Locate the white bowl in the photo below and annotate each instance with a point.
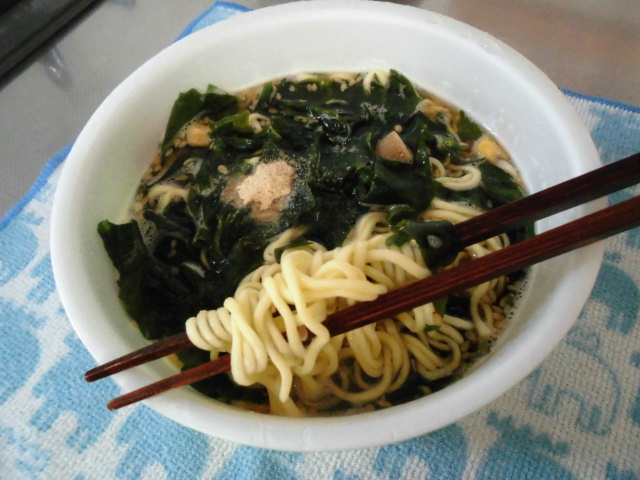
(467, 67)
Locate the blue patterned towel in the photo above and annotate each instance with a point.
(576, 417)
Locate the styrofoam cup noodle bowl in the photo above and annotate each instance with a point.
(454, 61)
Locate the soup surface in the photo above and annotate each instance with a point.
(268, 209)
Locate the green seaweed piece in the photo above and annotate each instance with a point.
(192, 104)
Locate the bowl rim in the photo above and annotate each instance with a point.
(321, 434)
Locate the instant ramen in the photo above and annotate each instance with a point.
(269, 209)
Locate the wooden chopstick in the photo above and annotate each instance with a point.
(162, 348)
(592, 185)
(187, 377)
(563, 196)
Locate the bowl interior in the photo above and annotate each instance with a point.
(462, 65)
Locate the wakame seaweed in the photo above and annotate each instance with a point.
(190, 254)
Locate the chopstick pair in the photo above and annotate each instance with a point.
(578, 233)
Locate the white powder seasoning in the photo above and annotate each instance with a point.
(266, 190)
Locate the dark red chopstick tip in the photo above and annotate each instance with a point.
(159, 349)
(186, 377)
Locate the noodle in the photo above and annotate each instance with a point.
(276, 306)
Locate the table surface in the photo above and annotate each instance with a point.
(587, 46)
